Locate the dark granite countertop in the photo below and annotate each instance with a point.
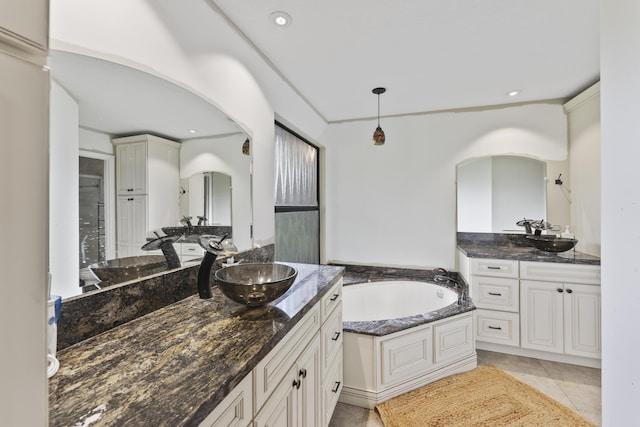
(173, 366)
(515, 247)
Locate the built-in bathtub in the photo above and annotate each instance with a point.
(400, 335)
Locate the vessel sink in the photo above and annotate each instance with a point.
(552, 243)
(255, 284)
(123, 269)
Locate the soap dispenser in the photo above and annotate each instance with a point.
(567, 234)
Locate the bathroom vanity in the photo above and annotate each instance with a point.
(212, 362)
(532, 303)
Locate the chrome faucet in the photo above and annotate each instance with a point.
(201, 220)
(186, 220)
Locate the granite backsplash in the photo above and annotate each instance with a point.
(92, 313)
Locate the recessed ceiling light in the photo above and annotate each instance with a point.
(281, 19)
(514, 92)
(192, 131)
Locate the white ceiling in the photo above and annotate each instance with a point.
(431, 55)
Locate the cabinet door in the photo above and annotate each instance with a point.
(308, 404)
(131, 168)
(541, 315)
(131, 225)
(582, 320)
(280, 408)
(26, 21)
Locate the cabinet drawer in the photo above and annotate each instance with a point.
(272, 369)
(494, 267)
(331, 300)
(498, 327)
(331, 339)
(235, 409)
(331, 388)
(495, 293)
(557, 272)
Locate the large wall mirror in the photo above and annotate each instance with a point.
(493, 193)
(94, 101)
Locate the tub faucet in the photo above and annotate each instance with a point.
(201, 220)
(441, 270)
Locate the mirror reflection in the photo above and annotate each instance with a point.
(208, 177)
(493, 193)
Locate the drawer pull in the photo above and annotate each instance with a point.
(491, 267)
(302, 373)
(497, 328)
(334, 297)
(337, 387)
(336, 336)
(297, 384)
(560, 290)
(569, 291)
(495, 294)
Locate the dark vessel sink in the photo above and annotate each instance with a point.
(552, 243)
(119, 270)
(255, 284)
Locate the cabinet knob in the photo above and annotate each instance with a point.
(560, 290)
(302, 373)
(569, 291)
(297, 383)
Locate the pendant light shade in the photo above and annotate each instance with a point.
(378, 134)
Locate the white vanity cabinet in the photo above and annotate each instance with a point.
(306, 368)
(537, 309)
(25, 21)
(561, 316)
(147, 183)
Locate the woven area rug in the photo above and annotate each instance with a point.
(485, 396)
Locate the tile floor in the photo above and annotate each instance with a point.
(576, 387)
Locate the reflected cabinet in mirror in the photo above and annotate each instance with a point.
(154, 166)
(493, 193)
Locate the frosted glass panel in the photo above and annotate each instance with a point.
(297, 237)
(296, 171)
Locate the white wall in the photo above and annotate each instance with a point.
(64, 263)
(583, 114)
(620, 112)
(395, 204)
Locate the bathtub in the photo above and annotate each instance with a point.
(400, 335)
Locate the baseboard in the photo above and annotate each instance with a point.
(536, 354)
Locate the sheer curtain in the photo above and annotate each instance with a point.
(297, 216)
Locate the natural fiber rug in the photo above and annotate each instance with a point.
(485, 396)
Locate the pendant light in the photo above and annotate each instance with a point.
(378, 134)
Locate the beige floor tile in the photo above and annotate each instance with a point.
(576, 387)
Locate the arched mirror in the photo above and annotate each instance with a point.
(493, 193)
(94, 101)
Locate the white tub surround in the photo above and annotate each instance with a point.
(401, 335)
